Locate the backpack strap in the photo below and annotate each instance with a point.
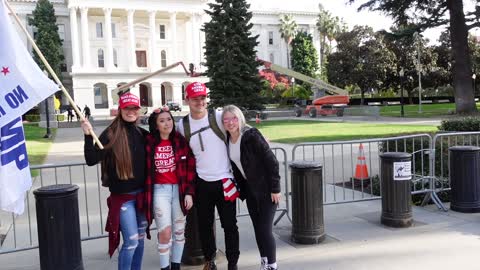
(212, 123)
(212, 120)
(186, 128)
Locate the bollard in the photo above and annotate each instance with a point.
(395, 176)
(192, 252)
(58, 225)
(307, 203)
(465, 179)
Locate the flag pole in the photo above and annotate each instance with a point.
(139, 80)
(52, 73)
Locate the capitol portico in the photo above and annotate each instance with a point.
(108, 43)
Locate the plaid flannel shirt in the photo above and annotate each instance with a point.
(185, 171)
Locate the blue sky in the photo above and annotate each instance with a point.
(349, 13)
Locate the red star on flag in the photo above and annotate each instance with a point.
(5, 71)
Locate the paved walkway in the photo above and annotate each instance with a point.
(355, 238)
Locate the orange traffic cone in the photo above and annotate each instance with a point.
(257, 119)
(361, 170)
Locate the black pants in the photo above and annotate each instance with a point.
(208, 195)
(262, 211)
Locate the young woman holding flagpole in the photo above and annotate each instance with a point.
(123, 169)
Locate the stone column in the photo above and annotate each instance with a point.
(264, 42)
(108, 38)
(153, 41)
(173, 36)
(85, 38)
(195, 51)
(132, 58)
(74, 33)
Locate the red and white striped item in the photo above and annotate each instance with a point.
(230, 191)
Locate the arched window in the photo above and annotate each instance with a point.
(163, 57)
(101, 59)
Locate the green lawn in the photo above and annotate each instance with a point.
(296, 131)
(37, 146)
(428, 110)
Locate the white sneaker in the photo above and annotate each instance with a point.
(263, 263)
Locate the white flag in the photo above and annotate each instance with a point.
(22, 86)
(22, 83)
(15, 178)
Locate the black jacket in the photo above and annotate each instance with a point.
(259, 164)
(136, 139)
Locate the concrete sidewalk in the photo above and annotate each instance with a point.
(355, 240)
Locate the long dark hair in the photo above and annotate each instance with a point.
(119, 146)
(152, 127)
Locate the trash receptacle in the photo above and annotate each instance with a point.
(307, 202)
(192, 253)
(465, 179)
(395, 177)
(58, 225)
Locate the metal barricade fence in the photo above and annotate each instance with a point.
(439, 162)
(430, 171)
(22, 230)
(339, 161)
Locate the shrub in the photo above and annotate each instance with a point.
(60, 117)
(469, 123)
(32, 117)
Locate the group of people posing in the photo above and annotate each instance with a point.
(209, 160)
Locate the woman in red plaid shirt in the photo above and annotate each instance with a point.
(171, 171)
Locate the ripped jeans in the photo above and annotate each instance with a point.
(132, 226)
(167, 210)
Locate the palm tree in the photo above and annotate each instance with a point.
(329, 27)
(288, 29)
(325, 29)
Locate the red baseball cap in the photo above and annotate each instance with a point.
(196, 89)
(128, 99)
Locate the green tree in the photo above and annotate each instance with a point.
(288, 29)
(362, 59)
(304, 56)
(47, 38)
(230, 55)
(428, 14)
(406, 54)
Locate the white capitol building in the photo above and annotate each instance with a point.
(107, 43)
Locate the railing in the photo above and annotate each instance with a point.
(339, 160)
(430, 175)
(22, 233)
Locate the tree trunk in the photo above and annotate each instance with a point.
(464, 96)
(410, 98)
(288, 55)
(322, 48)
(362, 97)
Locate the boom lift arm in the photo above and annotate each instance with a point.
(316, 82)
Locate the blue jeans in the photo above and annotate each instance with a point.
(167, 210)
(132, 226)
